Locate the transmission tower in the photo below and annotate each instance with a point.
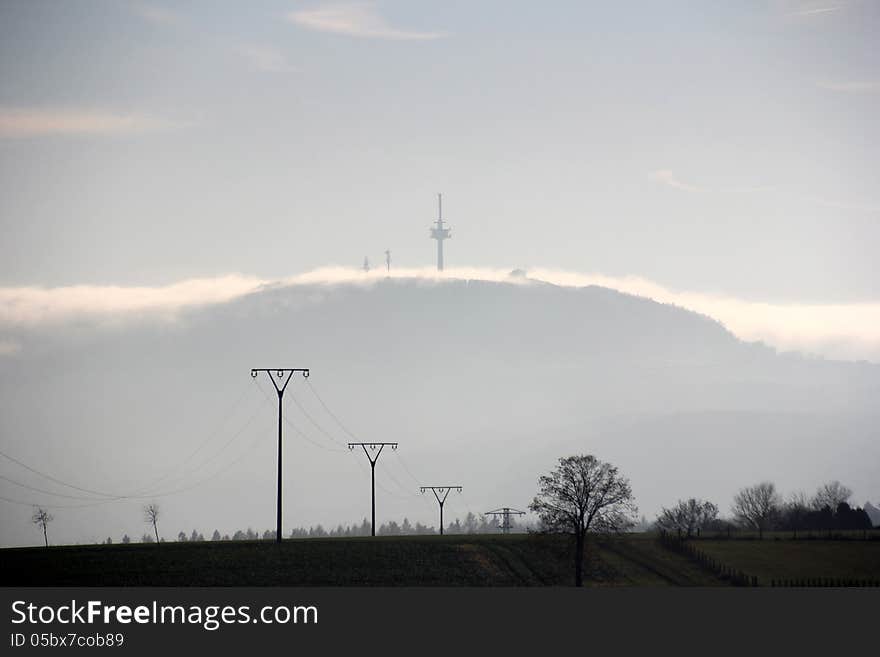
(438, 491)
(366, 265)
(373, 460)
(388, 260)
(440, 233)
(505, 513)
(280, 372)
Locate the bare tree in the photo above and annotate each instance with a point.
(41, 519)
(688, 516)
(583, 494)
(151, 517)
(757, 506)
(831, 495)
(794, 511)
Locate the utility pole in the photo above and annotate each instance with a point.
(505, 513)
(438, 491)
(440, 233)
(373, 460)
(280, 373)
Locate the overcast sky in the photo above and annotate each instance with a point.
(159, 156)
(727, 148)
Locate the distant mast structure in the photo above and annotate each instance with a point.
(440, 233)
(388, 260)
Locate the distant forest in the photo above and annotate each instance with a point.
(472, 524)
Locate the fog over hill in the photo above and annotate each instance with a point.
(484, 384)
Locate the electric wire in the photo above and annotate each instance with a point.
(142, 495)
(101, 494)
(314, 422)
(48, 492)
(226, 417)
(296, 428)
(58, 481)
(331, 413)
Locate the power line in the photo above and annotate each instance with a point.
(373, 460)
(441, 493)
(406, 468)
(59, 481)
(329, 412)
(280, 372)
(230, 411)
(142, 494)
(223, 448)
(505, 513)
(48, 492)
(313, 422)
(379, 485)
(302, 434)
(109, 497)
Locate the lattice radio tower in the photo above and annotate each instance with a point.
(505, 513)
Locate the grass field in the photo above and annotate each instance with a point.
(462, 560)
(797, 560)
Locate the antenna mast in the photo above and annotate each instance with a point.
(440, 233)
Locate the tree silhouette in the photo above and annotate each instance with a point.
(151, 517)
(687, 516)
(757, 506)
(41, 519)
(832, 495)
(583, 494)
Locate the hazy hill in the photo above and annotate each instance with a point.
(483, 384)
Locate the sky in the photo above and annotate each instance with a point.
(730, 149)
(729, 152)
(720, 156)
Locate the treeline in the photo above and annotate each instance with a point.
(762, 508)
(472, 524)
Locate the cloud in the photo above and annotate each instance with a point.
(32, 122)
(355, 19)
(852, 86)
(811, 8)
(816, 10)
(30, 306)
(666, 177)
(844, 331)
(266, 59)
(155, 14)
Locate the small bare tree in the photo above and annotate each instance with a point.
(151, 517)
(687, 517)
(41, 519)
(757, 506)
(583, 494)
(831, 495)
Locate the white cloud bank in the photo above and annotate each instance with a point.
(355, 19)
(841, 331)
(34, 122)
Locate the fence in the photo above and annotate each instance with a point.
(738, 533)
(826, 582)
(725, 572)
